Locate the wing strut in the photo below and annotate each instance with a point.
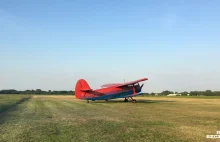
(134, 91)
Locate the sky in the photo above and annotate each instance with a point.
(50, 44)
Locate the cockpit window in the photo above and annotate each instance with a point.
(136, 84)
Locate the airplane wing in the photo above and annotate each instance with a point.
(118, 85)
(132, 82)
(111, 85)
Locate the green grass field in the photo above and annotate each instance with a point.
(63, 118)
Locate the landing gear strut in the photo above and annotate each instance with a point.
(133, 100)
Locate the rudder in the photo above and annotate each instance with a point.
(81, 85)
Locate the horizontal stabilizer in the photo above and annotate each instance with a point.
(86, 90)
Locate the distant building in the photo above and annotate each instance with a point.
(174, 94)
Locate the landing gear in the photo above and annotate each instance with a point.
(125, 100)
(106, 100)
(133, 100)
(87, 101)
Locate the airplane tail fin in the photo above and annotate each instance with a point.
(81, 88)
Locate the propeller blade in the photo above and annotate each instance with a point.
(142, 86)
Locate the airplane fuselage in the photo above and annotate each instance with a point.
(112, 93)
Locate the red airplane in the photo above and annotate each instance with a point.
(109, 91)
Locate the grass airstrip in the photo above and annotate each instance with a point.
(63, 118)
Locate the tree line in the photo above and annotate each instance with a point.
(185, 93)
(37, 91)
(64, 92)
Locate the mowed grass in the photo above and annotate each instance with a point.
(63, 118)
(9, 101)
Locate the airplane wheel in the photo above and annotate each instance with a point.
(106, 100)
(134, 101)
(126, 100)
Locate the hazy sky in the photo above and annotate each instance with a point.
(50, 44)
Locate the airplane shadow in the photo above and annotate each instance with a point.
(138, 101)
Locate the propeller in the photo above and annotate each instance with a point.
(142, 86)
